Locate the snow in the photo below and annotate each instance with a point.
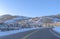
(16, 31)
(56, 20)
(15, 19)
(57, 29)
(12, 20)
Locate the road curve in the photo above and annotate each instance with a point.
(41, 34)
(33, 34)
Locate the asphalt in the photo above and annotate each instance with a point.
(33, 34)
(42, 34)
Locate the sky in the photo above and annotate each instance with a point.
(30, 8)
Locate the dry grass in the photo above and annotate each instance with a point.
(52, 24)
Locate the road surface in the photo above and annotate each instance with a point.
(33, 34)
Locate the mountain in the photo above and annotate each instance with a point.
(10, 18)
(17, 22)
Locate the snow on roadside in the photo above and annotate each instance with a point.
(57, 29)
(16, 31)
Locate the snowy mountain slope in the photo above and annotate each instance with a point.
(16, 19)
(26, 22)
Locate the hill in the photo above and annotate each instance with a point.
(17, 22)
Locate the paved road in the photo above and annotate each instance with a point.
(34, 34)
(42, 34)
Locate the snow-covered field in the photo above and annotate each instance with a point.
(57, 29)
(16, 31)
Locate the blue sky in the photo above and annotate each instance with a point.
(30, 8)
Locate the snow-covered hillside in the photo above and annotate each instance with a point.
(16, 19)
(28, 22)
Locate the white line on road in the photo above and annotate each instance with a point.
(30, 34)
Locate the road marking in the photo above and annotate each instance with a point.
(54, 33)
(30, 34)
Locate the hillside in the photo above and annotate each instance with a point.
(17, 22)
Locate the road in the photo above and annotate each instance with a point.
(33, 34)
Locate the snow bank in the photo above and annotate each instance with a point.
(57, 29)
(15, 31)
